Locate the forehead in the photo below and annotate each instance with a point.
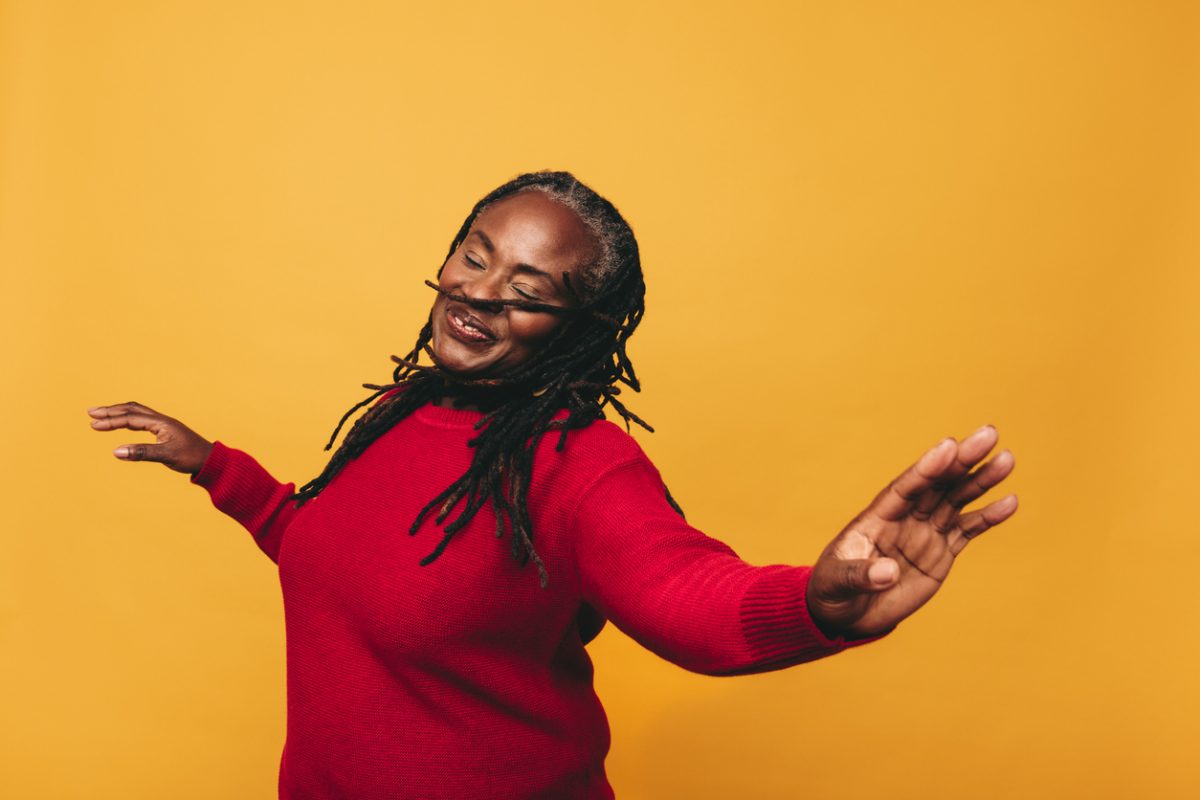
(532, 227)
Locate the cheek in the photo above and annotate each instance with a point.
(531, 330)
(452, 271)
(447, 280)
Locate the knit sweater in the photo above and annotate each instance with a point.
(464, 678)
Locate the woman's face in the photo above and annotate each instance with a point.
(517, 248)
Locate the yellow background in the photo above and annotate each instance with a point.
(864, 227)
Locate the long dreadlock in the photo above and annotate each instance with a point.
(578, 368)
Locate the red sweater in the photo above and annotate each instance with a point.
(464, 678)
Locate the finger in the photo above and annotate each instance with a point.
(141, 452)
(928, 501)
(945, 517)
(136, 422)
(897, 499)
(975, 447)
(862, 575)
(976, 522)
(120, 408)
(977, 483)
(970, 451)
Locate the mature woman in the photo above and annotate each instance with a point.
(438, 665)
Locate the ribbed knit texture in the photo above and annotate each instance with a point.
(463, 678)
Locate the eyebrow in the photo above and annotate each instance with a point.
(529, 268)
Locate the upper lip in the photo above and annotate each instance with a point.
(462, 312)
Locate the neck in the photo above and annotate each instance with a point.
(478, 398)
(446, 401)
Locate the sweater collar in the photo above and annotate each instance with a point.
(446, 417)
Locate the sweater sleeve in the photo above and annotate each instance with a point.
(682, 594)
(240, 487)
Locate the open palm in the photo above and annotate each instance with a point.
(893, 557)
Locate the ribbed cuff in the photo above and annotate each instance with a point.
(241, 487)
(211, 469)
(776, 623)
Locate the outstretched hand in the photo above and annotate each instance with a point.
(176, 446)
(894, 556)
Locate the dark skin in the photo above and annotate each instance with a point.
(887, 562)
(517, 248)
(895, 554)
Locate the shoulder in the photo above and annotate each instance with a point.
(389, 394)
(587, 454)
(602, 443)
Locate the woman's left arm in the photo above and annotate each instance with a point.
(682, 594)
(692, 600)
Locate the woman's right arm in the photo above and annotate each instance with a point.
(240, 487)
(237, 484)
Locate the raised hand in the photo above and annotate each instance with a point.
(894, 556)
(178, 446)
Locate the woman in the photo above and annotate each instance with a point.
(448, 672)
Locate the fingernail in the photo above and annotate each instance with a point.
(984, 428)
(882, 572)
(121, 452)
(93, 408)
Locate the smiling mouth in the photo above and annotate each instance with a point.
(468, 328)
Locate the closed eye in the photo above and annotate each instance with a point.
(472, 262)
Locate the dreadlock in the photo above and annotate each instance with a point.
(578, 368)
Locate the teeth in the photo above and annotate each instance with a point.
(468, 325)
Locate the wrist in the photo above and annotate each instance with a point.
(205, 452)
(828, 629)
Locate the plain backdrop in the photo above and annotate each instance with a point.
(864, 226)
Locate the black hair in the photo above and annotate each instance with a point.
(578, 368)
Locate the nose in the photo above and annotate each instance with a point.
(484, 290)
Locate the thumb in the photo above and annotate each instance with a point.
(856, 576)
(142, 452)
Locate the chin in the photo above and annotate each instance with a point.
(451, 356)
